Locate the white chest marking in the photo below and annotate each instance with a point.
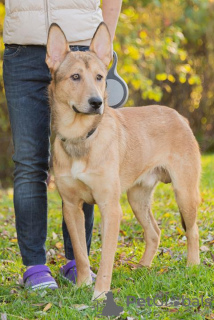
(77, 169)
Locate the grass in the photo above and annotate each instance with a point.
(168, 275)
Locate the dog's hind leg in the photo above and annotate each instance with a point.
(140, 198)
(187, 195)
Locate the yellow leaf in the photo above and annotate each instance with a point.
(183, 55)
(47, 307)
(10, 193)
(134, 52)
(143, 34)
(59, 245)
(136, 83)
(180, 231)
(203, 120)
(60, 257)
(131, 68)
(161, 76)
(171, 78)
(13, 240)
(167, 215)
(182, 78)
(167, 88)
(163, 270)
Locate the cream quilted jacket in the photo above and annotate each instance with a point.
(27, 21)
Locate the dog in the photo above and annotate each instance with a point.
(100, 152)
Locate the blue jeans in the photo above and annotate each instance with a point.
(26, 77)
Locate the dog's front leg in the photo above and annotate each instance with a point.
(111, 215)
(75, 221)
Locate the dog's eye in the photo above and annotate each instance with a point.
(75, 76)
(99, 77)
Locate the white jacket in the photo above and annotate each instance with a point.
(27, 21)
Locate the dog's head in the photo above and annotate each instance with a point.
(79, 78)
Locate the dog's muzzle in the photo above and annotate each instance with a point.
(95, 106)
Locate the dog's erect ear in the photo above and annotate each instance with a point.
(101, 44)
(57, 47)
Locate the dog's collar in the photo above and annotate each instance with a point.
(63, 139)
(90, 133)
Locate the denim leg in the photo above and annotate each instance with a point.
(26, 77)
(88, 210)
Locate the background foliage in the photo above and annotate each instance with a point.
(166, 55)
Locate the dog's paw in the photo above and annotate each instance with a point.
(99, 295)
(86, 282)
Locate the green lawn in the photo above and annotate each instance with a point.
(168, 275)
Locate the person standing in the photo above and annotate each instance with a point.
(26, 78)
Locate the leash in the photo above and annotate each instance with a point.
(117, 88)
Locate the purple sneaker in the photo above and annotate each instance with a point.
(69, 272)
(39, 277)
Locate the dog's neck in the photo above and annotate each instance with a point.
(74, 138)
(63, 139)
(75, 131)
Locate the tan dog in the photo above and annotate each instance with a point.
(100, 152)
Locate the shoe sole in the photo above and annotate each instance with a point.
(51, 285)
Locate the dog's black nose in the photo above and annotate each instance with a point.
(95, 102)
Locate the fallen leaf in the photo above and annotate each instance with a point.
(169, 309)
(167, 215)
(20, 281)
(123, 232)
(7, 261)
(173, 222)
(209, 238)
(60, 257)
(206, 262)
(80, 307)
(163, 270)
(38, 304)
(47, 307)
(54, 235)
(173, 310)
(180, 231)
(59, 245)
(210, 316)
(204, 249)
(13, 240)
(165, 251)
(52, 261)
(12, 291)
(212, 256)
